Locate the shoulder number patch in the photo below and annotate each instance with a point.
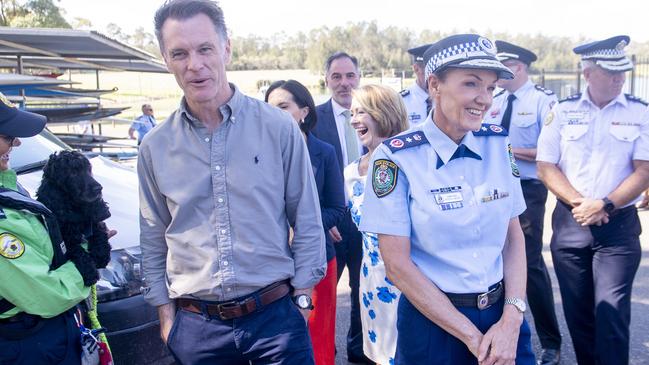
(512, 161)
(384, 177)
(11, 246)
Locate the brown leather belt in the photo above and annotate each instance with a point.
(238, 307)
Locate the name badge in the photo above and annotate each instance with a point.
(576, 114)
(448, 198)
(414, 117)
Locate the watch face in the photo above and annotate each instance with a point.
(303, 301)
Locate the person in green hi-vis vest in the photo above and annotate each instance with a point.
(39, 290)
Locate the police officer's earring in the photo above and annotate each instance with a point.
(302, 121)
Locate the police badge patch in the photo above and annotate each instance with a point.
(512, 162)
(549, 118)
(11, 246)
(384, 177)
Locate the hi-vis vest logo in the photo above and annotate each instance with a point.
(11, 246)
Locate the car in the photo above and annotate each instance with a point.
(133, 328)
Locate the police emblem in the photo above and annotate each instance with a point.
(6, 101)
(512, 161)
(384, 177)
(549, 118)
(416, 137)
(396, 143)
(496, 128)
(487, 46)
(11, 246)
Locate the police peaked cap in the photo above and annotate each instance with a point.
(19, 123)
(470, 51)
(608, 54)
(509, 51)
(418, 52)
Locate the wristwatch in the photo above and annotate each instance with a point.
(518, 303)
(609, 207)
(303, 301)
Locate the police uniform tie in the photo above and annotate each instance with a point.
(429, 105)
(350, 139)
(507, 117)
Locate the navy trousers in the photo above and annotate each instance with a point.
(349, 252)
(539, 286)
(595, 267)
(55, 340)
(420, 341)
(275, 334)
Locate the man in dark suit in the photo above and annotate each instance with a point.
(342, 76)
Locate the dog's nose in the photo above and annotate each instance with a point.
(96, 189)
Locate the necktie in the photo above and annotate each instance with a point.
(507, 117)
(429, 105)
(350, 139)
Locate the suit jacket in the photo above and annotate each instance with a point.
(325, 129)
(329, 181)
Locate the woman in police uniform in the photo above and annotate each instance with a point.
(36, 323)
(445, 201)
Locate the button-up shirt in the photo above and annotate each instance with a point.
(341, 119)
(529, 109)
(143, 124)
(414, 98)
(456, 211)
(593, 147)
(216, 206)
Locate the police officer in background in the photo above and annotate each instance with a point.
(521, 108)
(40, 290)
(593, 154)
(418, 104)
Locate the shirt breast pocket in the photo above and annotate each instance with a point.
(573, 132)
(525, 121)
(625, 133)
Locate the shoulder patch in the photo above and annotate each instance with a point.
(500, 93)
(384, 177)
(11, 247)
(404, 93)
(636, 99)
(573, 97)
(402, 142)
(544, 90)
(490, 130)
(512, 162)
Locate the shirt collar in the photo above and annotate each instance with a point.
(620, 98)
(337, 108)
(419, 91)
(230, 110)
(523, 89)
(443, 145)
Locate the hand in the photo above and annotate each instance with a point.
(305, 312)
(335, 235)
(109, 232)
(473, 343)
(589, 211)
(644, 204)
(167, 315)
(499, 344)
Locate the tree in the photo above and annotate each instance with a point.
(33, 13)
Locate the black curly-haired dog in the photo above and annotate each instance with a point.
(74, 196)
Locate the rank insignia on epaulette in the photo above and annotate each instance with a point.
(512, 161)
(11, 246)
(490, 130)
(636, 99)
(573, 97)
(404, 141)
(384, 177)
(546, 91)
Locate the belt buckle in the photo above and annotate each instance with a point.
(483, 301)
(224, 306)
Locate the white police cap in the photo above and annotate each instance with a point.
(464, 51)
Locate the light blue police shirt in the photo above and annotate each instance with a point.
(142, 125)
(529, 109)
(455, 211)
(414, 98)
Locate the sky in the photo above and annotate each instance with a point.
(592, 19)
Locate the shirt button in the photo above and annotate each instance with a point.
(233, 119)
(207, 139)
(220, 200)
(223, 231)
(228, 289)
(225, 263)
(217, 168)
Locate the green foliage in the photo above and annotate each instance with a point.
(32, 14)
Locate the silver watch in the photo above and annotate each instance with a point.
(519, 303)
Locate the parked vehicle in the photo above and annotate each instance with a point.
(133, 326)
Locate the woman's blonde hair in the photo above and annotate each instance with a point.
(385, 106)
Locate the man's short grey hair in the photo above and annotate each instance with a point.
(339, 55)
(185, 9)
(586, 64)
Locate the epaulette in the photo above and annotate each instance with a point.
(404, 93)
(404, 141)
(573, 97)
(630, 97)
(500, 93)
(544, 90)
(491, 130)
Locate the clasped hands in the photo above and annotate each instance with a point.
(498, 346)
(589, 211)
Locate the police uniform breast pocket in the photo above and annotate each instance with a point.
(573, 129)
(625, 131)
(524, 119)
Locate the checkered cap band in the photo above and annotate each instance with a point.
(457, 52)
(609, 54)
(624, 64)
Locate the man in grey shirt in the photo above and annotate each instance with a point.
(221, 182)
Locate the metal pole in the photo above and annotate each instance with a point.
(578, 77)
(543, 77)
(20, 71)
(632, 86)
